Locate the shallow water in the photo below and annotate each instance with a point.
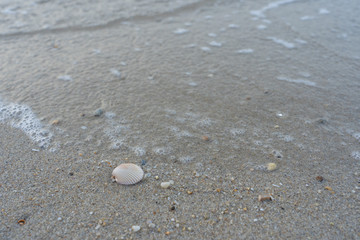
(165, 76)
(264, 80)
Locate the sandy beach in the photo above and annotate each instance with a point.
(228, 99)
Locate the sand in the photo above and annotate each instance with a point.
(203, 93)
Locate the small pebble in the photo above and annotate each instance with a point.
(98, 112)
(165, 185)
(265, 197)
(135, 228)
(55, 122)
(320, 178)
(143, 162)
(205, 138)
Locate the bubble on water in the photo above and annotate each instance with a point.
(65, 78)
(356, 155)
(207, 122)
(323, 11)
(115, 72)
(246, 50)
(276, 153)
(206, 49)
(356, 135)
(139, 151)
(110, 115)
(233, 25)
(186, 159)
(117, 144)
(180, 31)
(162, 150)
(193, 84)
(215, 44)
(237, 131)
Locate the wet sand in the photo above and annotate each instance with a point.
(265, 82)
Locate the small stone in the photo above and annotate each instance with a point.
(205, 138)
(55, 122)
(328, 188)
(320, 178)
(271, 167)
(143, 162)
(98, 112)
(265, 197)
(151, 225)
(165, 185)
(59, 219)
(135, 228)
(157, 177)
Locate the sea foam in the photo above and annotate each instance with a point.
(22, 117)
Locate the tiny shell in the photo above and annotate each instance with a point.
(271, 167)
(128, 173)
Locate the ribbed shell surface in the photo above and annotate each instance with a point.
(128, 173)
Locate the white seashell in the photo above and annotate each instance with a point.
(128, 173)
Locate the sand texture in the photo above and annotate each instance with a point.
(228, 99)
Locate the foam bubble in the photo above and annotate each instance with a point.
(181, 31)
(186, 159)
(282, 42)
(139, 151)
(302, 81)
(247, 50)
(162, 150)
(21, 117)
(356, 155)
(215, 44)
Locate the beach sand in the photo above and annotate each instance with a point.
(204, 93)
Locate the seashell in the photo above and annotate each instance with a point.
(128, 173)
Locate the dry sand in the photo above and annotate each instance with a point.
(276, 85)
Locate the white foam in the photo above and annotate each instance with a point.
(206, 49)
(139, 151)
(300, 41)
(115, 72)
(215, 44)
(302, 81)
(180, 31)
(246, 50)
(356, 155)
(282, 42)
(186, 159)
(304, 18)
(162, 150)
(237, 131)
(65, 78)
(261, 27)
(233, 26)
(261, 12)
(356, 135)
(323, 11)
(21, 117)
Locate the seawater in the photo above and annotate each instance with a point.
(166, 74)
